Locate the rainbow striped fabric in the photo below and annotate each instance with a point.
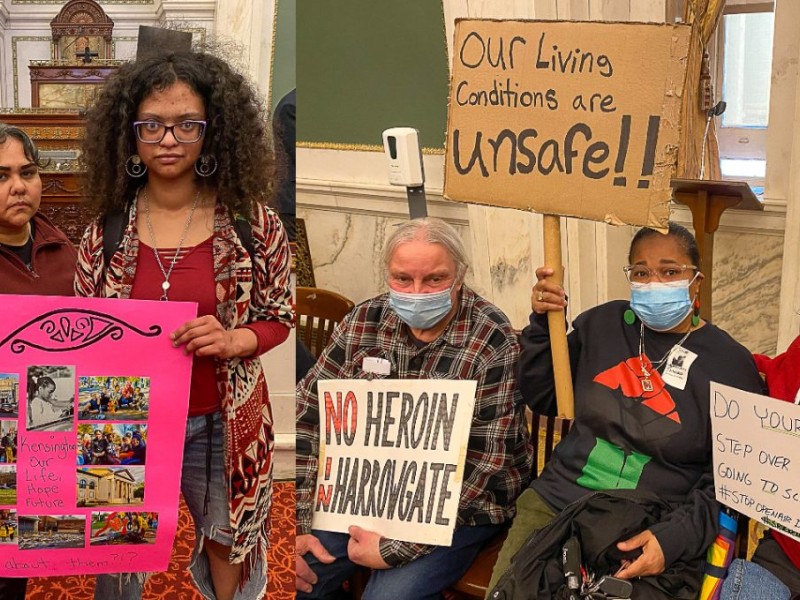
(720, 555)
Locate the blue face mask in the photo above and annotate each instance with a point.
(661, 306)
(421, 311)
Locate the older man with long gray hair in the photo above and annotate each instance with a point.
(428, 325)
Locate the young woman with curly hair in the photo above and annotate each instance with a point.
(177, 144)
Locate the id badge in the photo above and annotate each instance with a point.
(676, 373)
(376, 366)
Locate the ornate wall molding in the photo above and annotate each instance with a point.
(65, 1)
(72, 218)
(373, 200)
(62, 74)
(272, 51)
(200, 31)
(391, 201)
(14, 62)
(357, 147)
(121, 38)
(4, 16)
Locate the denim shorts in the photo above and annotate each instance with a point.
(212, 524)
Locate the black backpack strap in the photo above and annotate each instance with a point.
(245, 232)
(113, 229)
(114, 223)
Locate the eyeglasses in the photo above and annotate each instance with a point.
(185, 132)
(667, 273)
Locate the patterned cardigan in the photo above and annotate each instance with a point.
(245, 293)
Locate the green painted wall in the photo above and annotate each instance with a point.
(366, 65)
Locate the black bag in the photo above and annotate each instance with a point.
(599, 520)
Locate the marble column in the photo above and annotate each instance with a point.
(783, 160)
(250, 23)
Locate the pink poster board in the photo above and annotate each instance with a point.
(93, 404)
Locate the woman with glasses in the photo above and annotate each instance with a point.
(641, 371)
(177, 146)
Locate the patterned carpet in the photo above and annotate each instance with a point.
(176, 584)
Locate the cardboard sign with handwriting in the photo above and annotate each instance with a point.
(566, 118)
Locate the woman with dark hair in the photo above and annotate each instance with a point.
(35, 256)
(641, 372)
(177, 145)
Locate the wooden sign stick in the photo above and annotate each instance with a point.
(555, 320)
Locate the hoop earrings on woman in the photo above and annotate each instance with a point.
(206, 165)
(134, 166)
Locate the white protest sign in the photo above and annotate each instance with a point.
(757, 456)
(392, 455)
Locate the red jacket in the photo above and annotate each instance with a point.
(53, 262)
(782, 374)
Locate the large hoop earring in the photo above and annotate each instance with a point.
(206, 165)
(134, 166)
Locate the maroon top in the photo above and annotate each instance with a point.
(192, 280)
(53, 260)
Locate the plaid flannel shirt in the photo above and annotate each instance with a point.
(478, 344)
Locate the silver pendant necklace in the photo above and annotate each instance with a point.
(647, 385)
(167, 272)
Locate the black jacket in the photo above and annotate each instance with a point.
(626, 437)
(599, 520)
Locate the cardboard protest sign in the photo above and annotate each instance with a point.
(756, 457)
(93, 404)
(566, 118)
(392, 455)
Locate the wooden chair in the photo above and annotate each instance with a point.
(548, 431)
(318, 312)
(746, 538)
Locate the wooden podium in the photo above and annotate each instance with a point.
(708, 200)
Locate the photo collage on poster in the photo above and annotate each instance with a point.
(9, 420)
(111, 435)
